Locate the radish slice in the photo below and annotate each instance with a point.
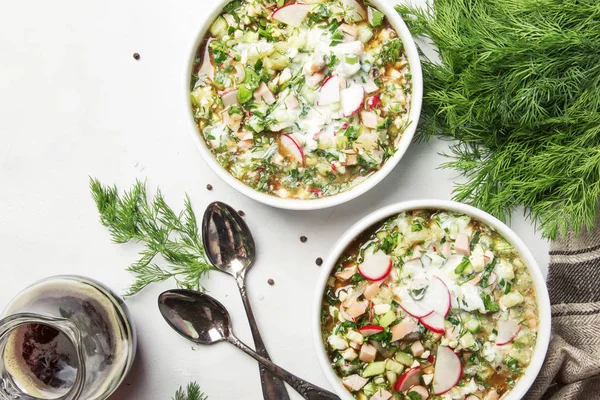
(230, 97)
(330, 91)
(352, 100)
(292, 148)
(507, 331)
(415, 309)
(369, 330)
(437, 297)
(434, 322)
(409, 379)
(375, 266)
(448, 370)
(292, 14)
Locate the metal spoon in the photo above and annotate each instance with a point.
(230, 248)
(202, 319)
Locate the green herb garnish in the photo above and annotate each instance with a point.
(192, 392)
(174, 237)
(518, 88)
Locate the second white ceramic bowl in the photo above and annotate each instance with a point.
(378, 216)
(412, 55)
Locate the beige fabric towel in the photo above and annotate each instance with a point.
(572, 366)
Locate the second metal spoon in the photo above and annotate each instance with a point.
(230, 248)
(202, 319)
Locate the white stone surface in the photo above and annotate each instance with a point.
(74, 103)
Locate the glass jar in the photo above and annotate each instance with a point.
(67, 338)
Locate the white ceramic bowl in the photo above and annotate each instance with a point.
(412, 55)
(540, 286)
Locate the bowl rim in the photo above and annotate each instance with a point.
(543, 299)
(414, 62)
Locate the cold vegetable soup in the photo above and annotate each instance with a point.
(299, 100)
(430, 305)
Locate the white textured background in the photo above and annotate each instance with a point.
(74, 103)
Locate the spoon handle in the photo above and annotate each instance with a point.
(273, 387)
(306, 389)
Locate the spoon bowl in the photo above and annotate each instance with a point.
(202, 319)
(229, 244)
(195, 316)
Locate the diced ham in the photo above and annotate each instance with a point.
(346, 273)
(314, 80)
(355, 47)
(367, 353)
(407, 326)
(417, 348)
(472, 397)
(285, 76)
(232, 121)
(350, 32)
(354, 345)
(354, 382)
(291, 102)
(357, 308)
(421, 391)
(351, 159)
(245, 144)
(264, 93)
(244, 135)
(229, 98)
(372, 290)
(381, 394)
(369, 119)
(447, 249)
(461, 245)
(475, 280)
(491, 395)
(315, 64)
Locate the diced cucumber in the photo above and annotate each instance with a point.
(373, 369)
(392, 377)
(309, 95)
(365, 34)
(375, 17)
(473, 325)
(404, 358)
(244, 94)
(387, 319)
(219, 27)
(255, 124)
(351, 59)
(382, 234)
(341, 142)
(379, 380)
(323, 169)
(369, 389)
(394, 366)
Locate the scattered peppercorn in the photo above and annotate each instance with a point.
(271, 282)
(209, 186)
(136, 56)
(319, 261)
(241, 213)
(303, 239)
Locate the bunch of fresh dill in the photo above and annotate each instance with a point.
(519, 88)
(172, 237)
(192, 392)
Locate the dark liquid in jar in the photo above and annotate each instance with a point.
(42, 360)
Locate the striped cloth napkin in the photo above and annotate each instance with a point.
(572, 366)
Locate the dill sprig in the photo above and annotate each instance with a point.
(518, 88)
(192, 392)
(172, 237)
